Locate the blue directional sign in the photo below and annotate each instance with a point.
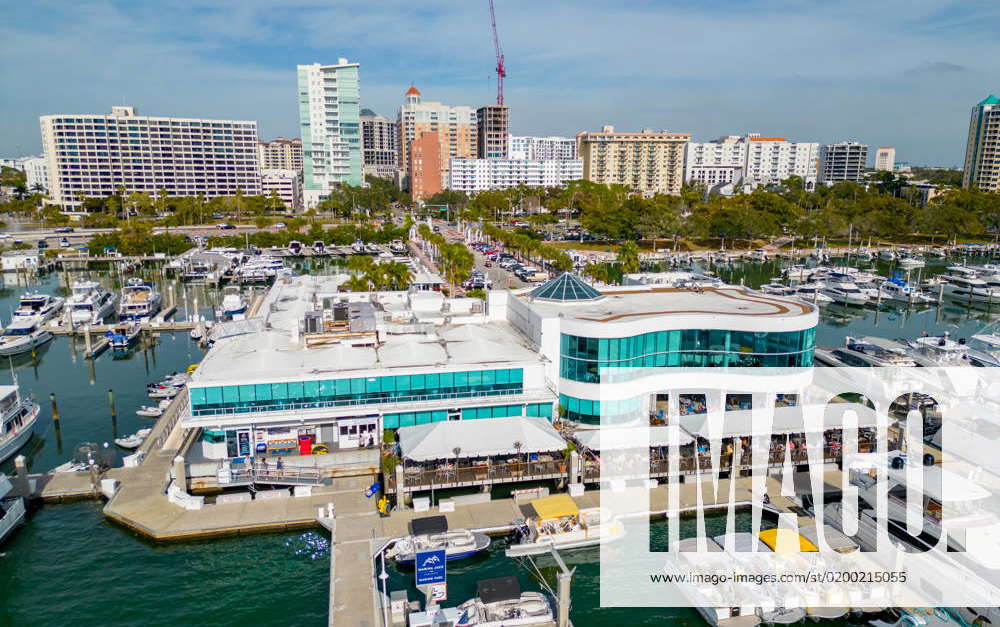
(430, 567)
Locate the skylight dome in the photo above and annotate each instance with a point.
(566, 288)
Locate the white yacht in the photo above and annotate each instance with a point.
(873, 351)
(397, 246)
(844, 292)
(965, 288)
(139, 300)
(941, 351)
(90, 303)
(813, 293)
(911, 261)
(894, 292)
(12, 512)
(38, 305)
(22, 335)
(971, 527)
(233, 303)
(17, 417)
(777, 289)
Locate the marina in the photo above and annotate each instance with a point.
(191, 482)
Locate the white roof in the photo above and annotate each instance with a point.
(786, 420)
(478, 438)
(609, 438)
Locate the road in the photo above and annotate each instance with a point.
(498, 276)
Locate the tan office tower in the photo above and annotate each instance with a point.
(982, 152)
(455, 127)
(492, 130)
(885, 159)
(280, 154)
(648, 162)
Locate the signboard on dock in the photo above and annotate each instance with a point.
(430, 567)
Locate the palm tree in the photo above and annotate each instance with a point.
(377, 276)
(359, 263)
(628, 257)
(399, 275)
(355, 283)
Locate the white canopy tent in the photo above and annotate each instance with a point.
(786, 420)
(485, 437)
(611, 438)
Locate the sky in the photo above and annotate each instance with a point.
(902, 73)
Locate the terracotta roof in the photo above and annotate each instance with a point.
(768, 139)
(413, 91)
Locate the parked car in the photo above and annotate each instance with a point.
(64, 242)
(280, 225)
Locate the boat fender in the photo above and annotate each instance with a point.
(898, 463)
(928, 459)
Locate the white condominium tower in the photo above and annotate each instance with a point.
(542, 148)
(751, 161)
(648, 162)
(885, 159)
(95, 155)
(330, 119)
(982, 152)
(477, 175)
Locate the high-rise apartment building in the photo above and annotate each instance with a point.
(330, 119)
(885, 159)
(542, 148)
(94, 155)
(982, 151)
(843, 161)
(771, 160)
(477, 175)
(751, 161)
(380, 145)
(280, 154)
(492, 130)
(648, 162)
(454, 127)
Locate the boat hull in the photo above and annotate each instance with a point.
(10, 447)
(30, 342)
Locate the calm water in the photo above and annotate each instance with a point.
(70, 565)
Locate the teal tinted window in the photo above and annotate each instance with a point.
(371, 390)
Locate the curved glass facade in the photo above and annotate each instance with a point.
(590, 412)
(581, 358)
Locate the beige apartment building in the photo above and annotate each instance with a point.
(280, 154)
(648, 162)
(454, 126)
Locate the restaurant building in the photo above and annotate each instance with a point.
(319, 368)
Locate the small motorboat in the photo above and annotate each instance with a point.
(431, 534)
(121, 336)
(149, 412)
(133, 441)
(71, 466)
(559, 523)
(500, 602)
(164, 391)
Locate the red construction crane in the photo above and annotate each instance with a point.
(501, 71)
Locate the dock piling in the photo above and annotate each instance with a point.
(111, 402)
(55, 409)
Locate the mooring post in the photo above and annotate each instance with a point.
(55, 409)
(111, 402)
